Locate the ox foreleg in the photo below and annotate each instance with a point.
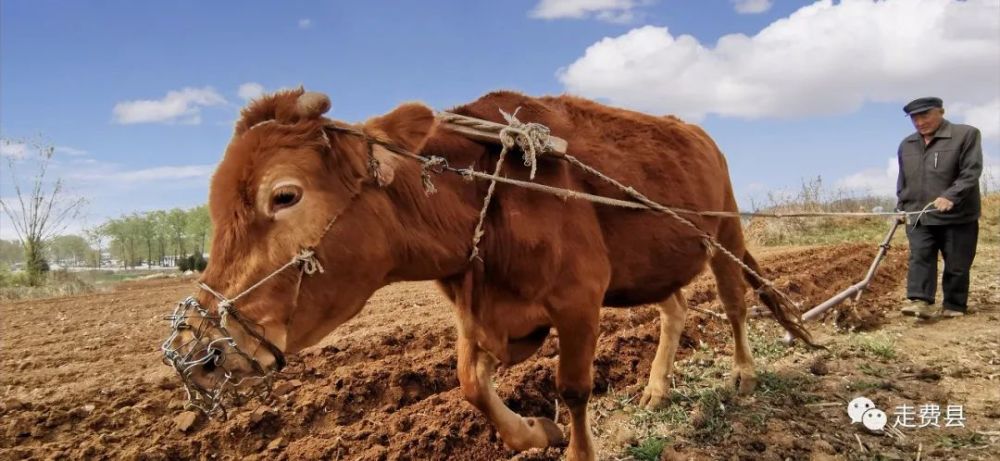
(673, 312)
(578, 327)
(475, 374)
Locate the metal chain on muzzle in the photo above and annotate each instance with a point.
(211, 344)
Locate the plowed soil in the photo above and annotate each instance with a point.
(82, 377)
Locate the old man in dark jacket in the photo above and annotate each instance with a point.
(939, 168)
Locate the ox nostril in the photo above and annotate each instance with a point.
(212, 364)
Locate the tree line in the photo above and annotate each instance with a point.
(155, 238)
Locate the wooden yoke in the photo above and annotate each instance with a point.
(485, 130)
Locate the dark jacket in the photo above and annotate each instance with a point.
(948, 167)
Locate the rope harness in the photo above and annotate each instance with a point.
(213, 346)
(533, 138)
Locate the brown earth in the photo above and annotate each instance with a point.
(82, 378)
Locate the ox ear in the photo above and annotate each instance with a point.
(408, 126)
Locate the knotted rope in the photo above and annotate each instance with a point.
(432, 164)
(309, 266)
(477, 235)
(532, 138)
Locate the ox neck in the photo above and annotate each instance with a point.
(435, 231)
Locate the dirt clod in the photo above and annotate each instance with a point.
(12, 403)
(819, 367)
(185, 420)
(276, 444)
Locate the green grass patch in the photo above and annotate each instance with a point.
(649, 449)
(863, 385)
(758, 419)
(784, 387)
(879, 346)
(767, 349)
(710, 422)
(871, 370)
(674, 413)
(969, 440)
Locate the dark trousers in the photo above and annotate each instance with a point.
(957, 244)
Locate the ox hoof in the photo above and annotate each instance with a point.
(553, 434)
(744, 382)
(653, 399)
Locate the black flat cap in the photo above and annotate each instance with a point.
(922, 105)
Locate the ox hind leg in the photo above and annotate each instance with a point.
(475, 375)
(732, 288)
(673, 312)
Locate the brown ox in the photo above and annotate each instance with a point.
(545, 263)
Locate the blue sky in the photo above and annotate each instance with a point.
(140, 97)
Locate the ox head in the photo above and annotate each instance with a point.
(291, 182)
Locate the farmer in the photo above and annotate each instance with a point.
(939, 168)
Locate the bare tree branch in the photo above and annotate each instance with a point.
(45, 212)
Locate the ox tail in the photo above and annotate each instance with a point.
(782, 309)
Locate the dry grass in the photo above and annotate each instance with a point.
(14, 285)
(989, 223)
(814, 197)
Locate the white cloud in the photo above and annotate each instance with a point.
(250, 90)
(875, 181)
(986, 117)
(751, 6)
(305, 23)
(618, 11)
(882, 181)
(183, 106)
(146, 175)
(71, 151)
(13, 149)
(826, 58)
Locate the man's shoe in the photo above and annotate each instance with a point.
(919, 308)
(948, 313)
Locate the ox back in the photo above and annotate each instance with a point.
(650, 255)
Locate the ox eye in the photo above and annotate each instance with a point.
(285, 196)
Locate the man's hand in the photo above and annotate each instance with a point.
(943, 204)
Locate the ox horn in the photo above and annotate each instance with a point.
(312, 104)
